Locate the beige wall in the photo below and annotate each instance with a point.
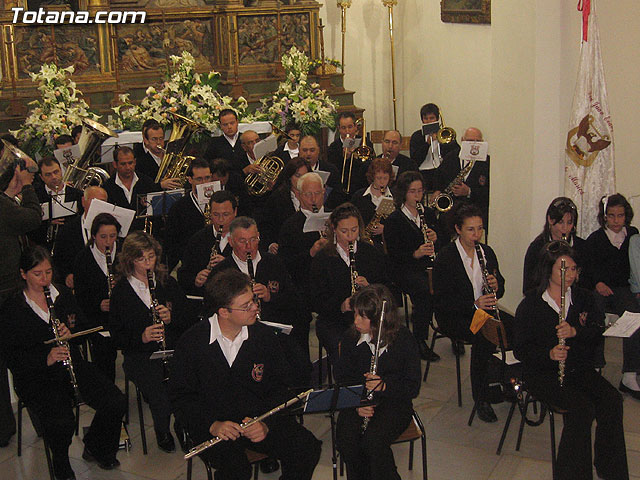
(513, 79)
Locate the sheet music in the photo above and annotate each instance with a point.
(123, 215)
(67, 155)
(316, 222)
(509, 357)
(324, 175)
(265, 146)
(205, 190)
(286, 329)
(476, 151)
(626, 326)
(59, 208)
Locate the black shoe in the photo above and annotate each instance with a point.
(457, 348)
(634, 393)
(103, 463)
(181, 435)
(426, 353)
(67, 476)
(269, 465)
(62, 470)
(165, 442)
(485, 412)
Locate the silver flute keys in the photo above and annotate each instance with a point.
(562, 314)
(374, 362)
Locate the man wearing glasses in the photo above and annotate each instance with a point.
(229, 369)
(310, 151)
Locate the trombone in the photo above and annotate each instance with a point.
(445, 134)
(363, 153)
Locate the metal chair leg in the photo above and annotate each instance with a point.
(143, 434)
(506, 428)
(552, 429)
(458, 379)
(411, 455)
(189, 468)
(434, 337)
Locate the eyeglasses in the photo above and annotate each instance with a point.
(246, 241)
(312, 194)
(245, 308)
(148, 259)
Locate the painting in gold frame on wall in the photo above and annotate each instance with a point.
(465, 11)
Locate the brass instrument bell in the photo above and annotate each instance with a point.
(445, 134)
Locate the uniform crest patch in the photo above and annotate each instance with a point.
(482, 180)
(257, 372)
(274, 286)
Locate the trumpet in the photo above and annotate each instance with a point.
(155, 317)
(55, 325)
(352, 269)
(447, 195)
(485, 279)
(562, 314)
(424, 227)
(252, 276)
(374, 362)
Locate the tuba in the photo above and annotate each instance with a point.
(174, 162)
(260, 183)
(445, 134)
(80, 174)
(13, 155)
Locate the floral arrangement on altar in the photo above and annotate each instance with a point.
(185, 92)
(298, 101)
(60, 109)
(331, 65)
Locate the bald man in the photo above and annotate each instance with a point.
(245, 161)
(475, 186)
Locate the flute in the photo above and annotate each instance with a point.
(562, 315)
(374, 363)
(210, 443)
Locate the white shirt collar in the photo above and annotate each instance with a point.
(232, 140)
(52, 193)
(377, 200)
(344, 254)
(101, 258)
(230, 348)
(616, 239)
(243, 265)
(44, 315)
(85, 229)
(472, 267)
(157, 159)
(294, 200)
(127, 193)
(292, 153)
(194, 198)
(552, 303)
(141, 289)
(410, 216)
(366, 337)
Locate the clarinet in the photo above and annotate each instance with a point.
(562, 315)
(215, 249)
(155, 317)
(424, 227)
(352, 269)
(252, 275)
(110, 278)
(374, 363)
(485, 279)
(55, 325)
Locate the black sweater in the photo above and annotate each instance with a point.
(608, 264)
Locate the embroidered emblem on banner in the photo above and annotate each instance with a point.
(257, 372)
(585, 141)
(274, 286)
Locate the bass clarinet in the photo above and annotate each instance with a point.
(424, 227)
(485, 279)
(252, 275)
(54, 321)
(155, 317)
(374, 363)
(562, 314)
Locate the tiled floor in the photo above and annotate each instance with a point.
(455, 451)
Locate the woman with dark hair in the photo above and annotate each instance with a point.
(289, 148)
(562, 218)
(92, 272)
(368, 455)
(584, 393)
(460, 291)
(410, 255)
(609, 268)
(336, 273)
(41, 379)
(282, 203)
(367, 200)
(135, 332)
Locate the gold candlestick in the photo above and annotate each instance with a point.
(389, 4)
(344, 4)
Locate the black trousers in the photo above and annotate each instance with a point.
(330, 332)
(416, 285)
(369, 456)
(53, 405)
(103, 355)
(586, 396)
(288, 441)
(148, 375)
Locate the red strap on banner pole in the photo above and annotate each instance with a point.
(584, 6)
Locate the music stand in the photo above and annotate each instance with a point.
(330, 400)
(161, 354)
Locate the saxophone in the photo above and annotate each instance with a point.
(155, 317)
(215, 249)
(485, 279)
(447, 194)
(374, 363)
(252, 275)
(55, 325)
(562, 314)
(424, 227)
(352, 269)
(110, 278)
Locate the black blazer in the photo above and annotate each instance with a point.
(69, 243)
(276, 210)
(219, 147)
(454, 307)
(418, 147)
(335, 154)
(606, 263)
(145, 163)
(478, 181)
(184, 221)
(196, 257)
(71, 194)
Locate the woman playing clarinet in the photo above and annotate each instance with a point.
(145, 317)
(51, 378)
(367, 454)
(584, 393)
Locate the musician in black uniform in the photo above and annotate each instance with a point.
(368, 455)
(608, 265)
(459, 292)
(91, 275)
(310, 151)
(420, 147)
(409, 254)
(367, 200)
(244, 161)
(186, 216)
(290, 147)
(226, 145)
(233, 182)
(199, 257)
(585, 395)
(52, 191)
(41, 379)
(336, 273)
(562, 218)
(229, 369)
(150, 152)
(74, 236)
(474, 188)
(125, 184)
(282, 203)
(135, 332)
(346, 128)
